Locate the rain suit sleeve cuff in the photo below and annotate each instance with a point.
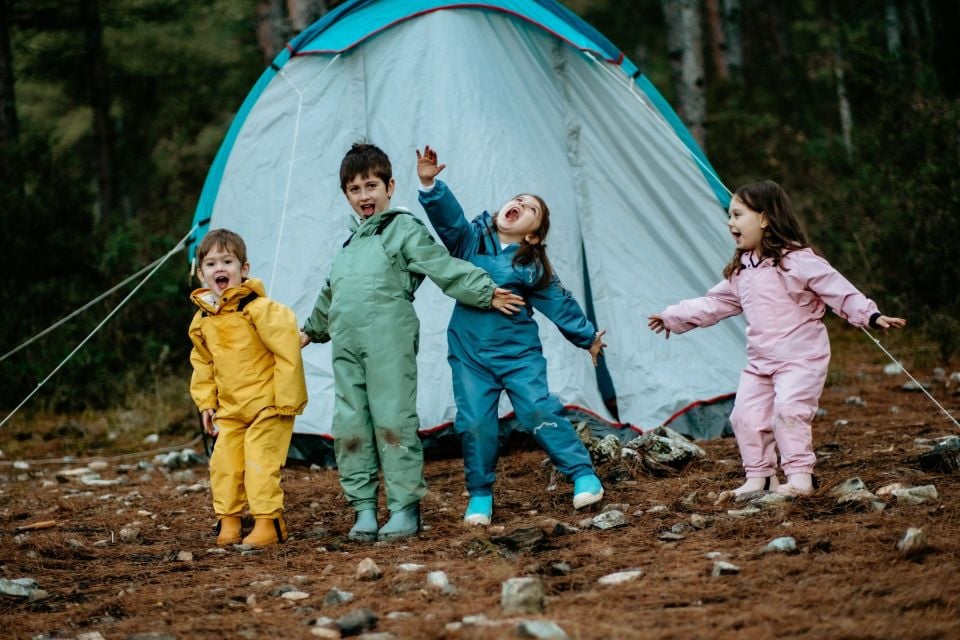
(873, 320)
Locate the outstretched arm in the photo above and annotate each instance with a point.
(557, 304)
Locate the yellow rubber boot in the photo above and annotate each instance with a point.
(228, 531)
(267, 531)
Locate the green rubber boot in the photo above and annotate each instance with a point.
(402, 524)
(365, 528)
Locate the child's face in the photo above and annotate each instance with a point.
(520, 219)
(746, 225)
(219, 270)
(368, 195)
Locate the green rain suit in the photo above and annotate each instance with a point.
(366, 308)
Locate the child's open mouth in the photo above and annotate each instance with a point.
(367, 209)
(222, 281)
(512, 214)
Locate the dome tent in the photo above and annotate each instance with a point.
(517, 96)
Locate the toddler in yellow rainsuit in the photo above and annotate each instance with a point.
(248, 383)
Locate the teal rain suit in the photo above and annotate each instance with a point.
(366, 308)
(491, 352)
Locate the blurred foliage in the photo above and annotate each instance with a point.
(887, 214)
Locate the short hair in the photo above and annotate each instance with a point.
(222, 239)
(364, 159)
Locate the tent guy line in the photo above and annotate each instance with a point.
(919, 386)
(69, 317)
(122, 456)
(103, 322)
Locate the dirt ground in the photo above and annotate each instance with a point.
(846, 580)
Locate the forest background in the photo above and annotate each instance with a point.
(112, 111)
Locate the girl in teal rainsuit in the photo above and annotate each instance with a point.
(490, 353)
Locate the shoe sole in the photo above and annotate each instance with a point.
(477, 520)
(582, 500)
(363, 536)
(396, 536)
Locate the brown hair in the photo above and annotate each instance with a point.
(783, 233)
(364, 160)
(222, 239)
(536, 254)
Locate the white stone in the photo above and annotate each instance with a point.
(916, 495)
(522, 595)
(785, 544)
(410, 567)
(721, 568)
(151, 439)
(368, 570)
(913, 541)
(294, 595)
(620, 577)
(890, 488)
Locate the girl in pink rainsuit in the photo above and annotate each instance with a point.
(783, 288)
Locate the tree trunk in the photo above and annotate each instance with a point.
(731, 30)
(685, 46)
(718, 44)
(843, 103)
(9, 125)
(271, 28)
(303, 13)
(892, 27)
(96, 70)
(780, 30)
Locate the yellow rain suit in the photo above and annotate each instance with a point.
(247, 366)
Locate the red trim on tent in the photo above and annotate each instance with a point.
(463, 5)
(698, 403)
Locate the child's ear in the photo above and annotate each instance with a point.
(203, 282)
(245, 270)
(390, 187)
(531, 238)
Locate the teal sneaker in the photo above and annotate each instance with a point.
(365, 528)
(402, 524)
(479, 511)
(586, 491)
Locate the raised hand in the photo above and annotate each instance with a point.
(655, 322)
(506, 301)
(427, 166)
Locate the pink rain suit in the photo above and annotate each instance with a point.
(788, 350)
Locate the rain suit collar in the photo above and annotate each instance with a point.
(207, 299)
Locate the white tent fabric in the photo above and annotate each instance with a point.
(511, 109)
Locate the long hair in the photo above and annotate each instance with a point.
(783, 234)
(536, 254)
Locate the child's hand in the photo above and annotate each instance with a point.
(427, 166)
(596, 349)
(506, 301)
(886, 322)
(655, 322)
(304, 339)
(208, 426)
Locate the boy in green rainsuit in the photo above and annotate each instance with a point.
(366, 308)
